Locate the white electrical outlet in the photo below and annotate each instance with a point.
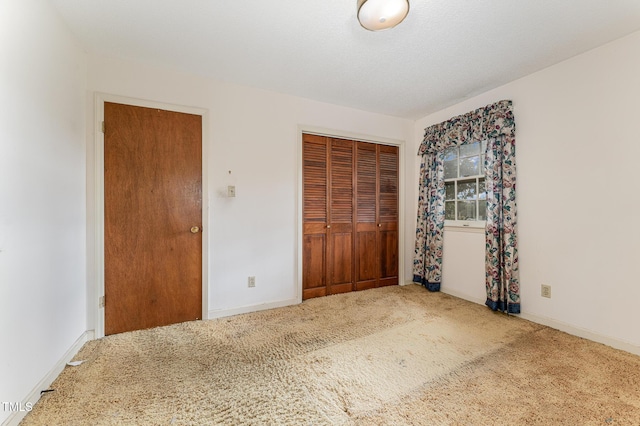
(545, 291)
(252, 281)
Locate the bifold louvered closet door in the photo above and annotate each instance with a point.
(350, 215)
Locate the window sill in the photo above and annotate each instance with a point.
(465, 226)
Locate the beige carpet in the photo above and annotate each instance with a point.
(390, 356)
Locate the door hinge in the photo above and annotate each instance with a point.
(101, 301)
(103, 127)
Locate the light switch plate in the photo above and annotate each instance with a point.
(231, 191)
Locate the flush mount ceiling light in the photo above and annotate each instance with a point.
(376, 15)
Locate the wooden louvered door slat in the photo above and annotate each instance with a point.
(366, 211)
(340, 250)
(388, 214)
(315, 214)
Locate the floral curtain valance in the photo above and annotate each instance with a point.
(484, 123)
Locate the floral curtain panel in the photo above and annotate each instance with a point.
(495, 124)
(427, 262)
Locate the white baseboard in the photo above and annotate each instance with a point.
(559, 325)
(462, 296)
(220, 313)
(16, 416)
(580, 332)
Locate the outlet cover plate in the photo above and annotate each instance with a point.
(545, 291)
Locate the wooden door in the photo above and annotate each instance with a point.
(327, 265)
(367, 268)
(340, 227)
(376, 215)
(153, 217)
(350, 215)
(315, 214)
(388, 170)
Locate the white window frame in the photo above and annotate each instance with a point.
(475, 224)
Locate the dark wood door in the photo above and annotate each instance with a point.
(340, 227)
(350, 215)
(315, 214)
(376, 215)
(367, 265)
(388, 170)
(153, 217)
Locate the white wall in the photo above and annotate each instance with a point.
(254, 134)
(577, 146)
(578, 152)
(42, 195)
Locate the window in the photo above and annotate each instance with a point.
(465, 198)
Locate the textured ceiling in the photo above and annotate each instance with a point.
(444, 52)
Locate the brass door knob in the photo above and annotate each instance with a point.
(195, 229)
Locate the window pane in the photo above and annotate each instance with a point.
(450, 190)
(451, 154)
(468, 166)
(482, 191)
(469, 149)
(466, 210)
(450, 210)
(482, 210)
(467, 189)
(451, 169)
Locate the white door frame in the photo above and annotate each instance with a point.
(98, 264)
(401, 191)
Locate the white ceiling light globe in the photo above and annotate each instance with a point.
(376, 15)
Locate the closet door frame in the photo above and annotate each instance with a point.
(299, 202)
